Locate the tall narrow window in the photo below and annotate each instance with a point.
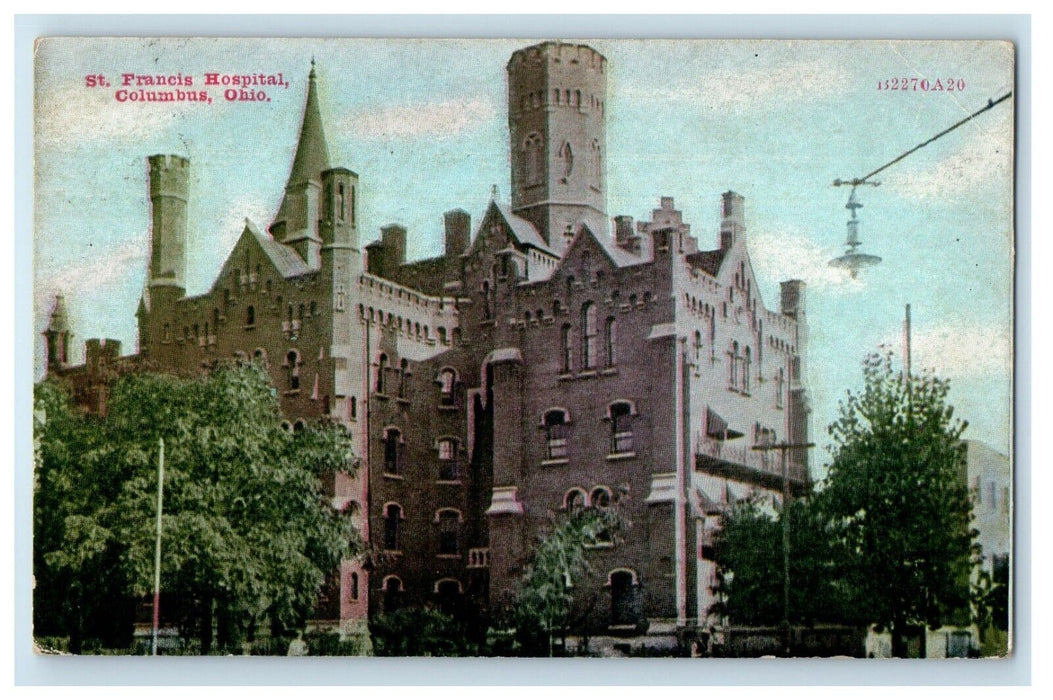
(448, 531)
(403, 369)
(733, 365)
(292, 360)
(588, 335)
(621, 414)
(565, 349)
(533, 148)
(698, 347)
(556, 434)
(448, 468)
(392, 525)
(250, 315)
(354, 586)
(393, 451)
(623, 599)
(609, 341)
(353, 409)
(392, 594)
(780, 381)
(382, 370)
(447, 379)
(746, 369)
(340, 202)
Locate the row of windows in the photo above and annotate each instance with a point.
(448, 590)
(447, 520)
(395, 456)
(556, 424)
(589, 338)
(566, 96)
(404, 326)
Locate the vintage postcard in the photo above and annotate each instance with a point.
(502, 348)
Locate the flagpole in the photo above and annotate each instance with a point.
(157, 548)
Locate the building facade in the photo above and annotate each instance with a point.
(551, 358)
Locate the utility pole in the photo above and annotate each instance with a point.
(783, 447)
(157, 548)
(906, 346)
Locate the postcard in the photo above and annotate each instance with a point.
(506, 348)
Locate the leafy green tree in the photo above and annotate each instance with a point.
(420, 632)
(897, 501)
(544, 596)
(249, 534)
(748, 550)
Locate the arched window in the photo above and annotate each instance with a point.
(597, 162)
(449, 527)
(533, 152)
(555, 424)
(574, 499)
(392, 594)
(566, 349)
(609, 341)
(448, 467)
(621, 415)
(624, 604)
(250, 315)
(600, 497)
(733, 368)
(340, 202)
(442, 335)
(698, 346)
(259, 356)
(392, 525)
(566, 157)
(588, 335)
(393, 451)
(299, 426)
(447, 382)
(382, 369)
(448, 594)
(292, 362)
(168, 333)
(353, 408)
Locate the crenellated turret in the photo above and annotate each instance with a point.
(557, 96)
(169, 192)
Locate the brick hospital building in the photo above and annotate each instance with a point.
(552, 357)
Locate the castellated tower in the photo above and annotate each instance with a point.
(169, 191)
(557, 95)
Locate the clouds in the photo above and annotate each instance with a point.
(106, 272)
(435, 119)
(762, 87)
(72, 116)
(783, 255)
(960, 350)
(982, 160)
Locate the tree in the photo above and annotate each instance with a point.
(249, 533)
(896, 498)
(545, 592)
(420, 632)
(748, 550)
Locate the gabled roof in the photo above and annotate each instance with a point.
(708, 260)
(522, 229)
(284, 258)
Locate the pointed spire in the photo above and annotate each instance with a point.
(312, 153)
(59, 317)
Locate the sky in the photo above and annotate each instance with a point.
(424, 124)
